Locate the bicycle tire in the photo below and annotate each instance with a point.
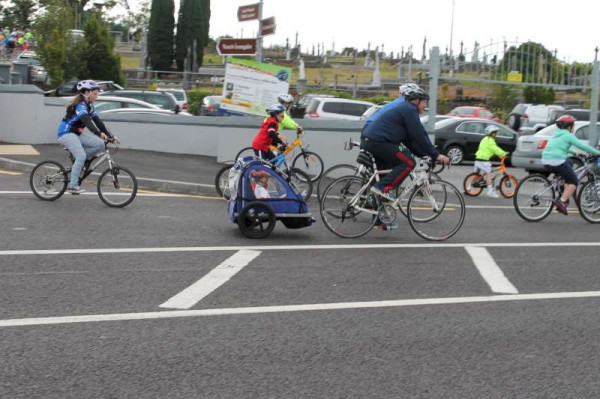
(311, 163)
(48, 180)
(256, 220)
(508, 186)
(117, 184)
(332, 174)
(245, 152)
(533, 198)
(588, 201)
(301, 183)
(405, 196)
(469, 184)
(222, 182)
(436, 222)
(339, 216)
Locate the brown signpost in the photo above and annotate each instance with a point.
(267, 26)
(248, 12)
(236, 46)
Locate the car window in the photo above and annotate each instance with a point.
(179, 95)
(505, 132)
(485, 113)
(583, 133)
(160, 100)
(105, 105)
(313, 106)
(471, 127)
(354, 109)
(137, 96)
(333, 107)
(547, 131)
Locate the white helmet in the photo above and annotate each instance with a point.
(491, 129)
(285, 98)
(87, 85)
(408, 88)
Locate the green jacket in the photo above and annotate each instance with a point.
(559, 146)
(488, 148)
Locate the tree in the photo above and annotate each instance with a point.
(539, 95)
(192, 30)
(102, 61)
(19, 13)
(160, 34)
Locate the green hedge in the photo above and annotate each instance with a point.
(195, 98)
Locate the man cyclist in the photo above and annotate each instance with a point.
(394, 136)
(405, 88)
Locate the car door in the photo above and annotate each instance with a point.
(470, 134)
(506, 139)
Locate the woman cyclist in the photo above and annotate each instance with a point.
(72, 135)
(267, 135)
(487, 149)
(554, 158)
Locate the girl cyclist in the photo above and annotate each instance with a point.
(487, 149)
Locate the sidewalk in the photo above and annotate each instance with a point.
(155, 171)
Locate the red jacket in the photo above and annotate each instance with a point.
(267, 135)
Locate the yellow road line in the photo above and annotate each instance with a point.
(6, 172)
(15, 149)
(160, 194)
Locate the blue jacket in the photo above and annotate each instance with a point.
(386, 107)
(401, 125)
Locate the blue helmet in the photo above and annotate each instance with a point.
(275, 109)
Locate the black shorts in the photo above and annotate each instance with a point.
(564, 170)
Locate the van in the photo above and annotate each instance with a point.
(535, 118)
(337, 108)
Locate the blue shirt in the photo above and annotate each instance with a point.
(72, 122)
(387, 106)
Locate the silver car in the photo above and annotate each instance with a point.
(528, 154)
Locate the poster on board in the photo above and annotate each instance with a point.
(250, 86)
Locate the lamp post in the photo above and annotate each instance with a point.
(451, 34)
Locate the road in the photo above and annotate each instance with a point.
(166, 298)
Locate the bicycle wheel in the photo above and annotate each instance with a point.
(245, 152)
(117, 187)
(473, 184)
(332, 174)
(301, 183)
(405, 194)
(222, 182)
(508, 186)
(256, 220)
(310, 163)
(588, 201)
(48, 180)
(533, 198)
(436, 211)
(344, 212)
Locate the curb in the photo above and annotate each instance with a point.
(144, 183)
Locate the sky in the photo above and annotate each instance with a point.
(395, 24)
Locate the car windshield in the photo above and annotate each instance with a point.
(547, 131)
(179, 95)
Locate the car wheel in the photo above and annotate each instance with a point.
(456, 154)
(514, 121)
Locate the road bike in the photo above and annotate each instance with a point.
(435, 209)
(117, 186)
(307, 161)
(475, 182)
(534, 196)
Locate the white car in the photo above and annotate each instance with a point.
(179, 95)
(336, 108)
(106, 103)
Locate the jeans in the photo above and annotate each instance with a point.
(83, 146)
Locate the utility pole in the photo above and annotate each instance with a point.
(259, 38)
(594, 104)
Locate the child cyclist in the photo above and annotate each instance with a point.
(287, 122)
(554, 158)
(487, 149)
(268, 134)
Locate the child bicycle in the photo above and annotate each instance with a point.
(475, 182)
(117, 186)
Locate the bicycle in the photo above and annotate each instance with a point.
(117, 186)
(350, 210)
(475, 182)
(534, 196)
(307, 161)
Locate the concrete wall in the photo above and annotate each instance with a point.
(28, 117)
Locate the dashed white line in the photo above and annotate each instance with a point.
(490, 271)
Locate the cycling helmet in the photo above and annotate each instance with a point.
(491, 129)
(275, 109)
(407, 88)
(87, 85)
(416, 94)
(565, 121)
(285, 98)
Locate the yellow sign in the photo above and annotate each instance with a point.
(515, 76)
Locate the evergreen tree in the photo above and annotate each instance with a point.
(160, 35)
(19, 13)
(102, 61)
(192, 25)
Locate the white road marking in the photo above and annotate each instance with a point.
(490, 271)
(293, 308)
(294, 247)
(213, 280)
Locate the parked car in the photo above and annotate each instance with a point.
(211, 106)
(535, 118)
(372, 110)
(337, 108)
(163, 100)
(106, 103)
(146, 111)
(516, 115)
(298, 111)
(473, 112)
(179, 94)
(528, 154)
(38, 72)
(425, 118)
(69, 88)
(578, 114)
(459, 138)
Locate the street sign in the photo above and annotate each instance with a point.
(236, 46)
(248, 12)
(267, 26)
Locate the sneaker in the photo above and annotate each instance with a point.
(75, 190)
(389, 195)
(561, 206)
(492, 193)
(385, 226)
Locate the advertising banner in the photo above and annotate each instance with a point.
(250, 86)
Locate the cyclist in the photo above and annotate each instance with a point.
(554, 158)
(267, 135)
(487, 149)
(394, 136)
(288, 123)
(82, 144)
(405, 88)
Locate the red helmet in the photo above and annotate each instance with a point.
(565, 121)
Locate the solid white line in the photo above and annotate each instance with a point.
(293, 308)
(293, 247)
(490, 271)
(213, 280)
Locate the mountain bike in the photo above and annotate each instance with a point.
(475, 182)
(307, 161)
(117, 186)
(533, 198)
